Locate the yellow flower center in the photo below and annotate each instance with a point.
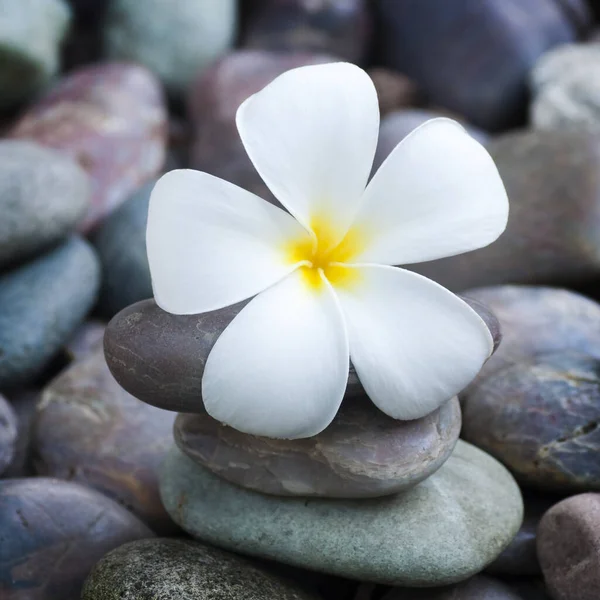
(322, 256)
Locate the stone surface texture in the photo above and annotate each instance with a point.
(52, 533)
(542, 420)
(363, 453)
(176, 569)
(91, 431)
(382, 540)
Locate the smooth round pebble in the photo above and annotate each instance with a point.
(43, 195)
(31, 32)
(460, 519)
(477, 588)
(143, 338)
(175, 569)
(552, 233)
(112, 119)
(535, 320)
(481, 76)
(176, 40)
(363, 453)
(52, 533)
(43, 303)
(568, 545)
(89, 430)
(121, 245)
(541, 419)
(8, 434)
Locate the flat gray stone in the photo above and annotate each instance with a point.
(42, 304)
(43, 195)
(442, 531)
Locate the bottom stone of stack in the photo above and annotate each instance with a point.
(446, 529)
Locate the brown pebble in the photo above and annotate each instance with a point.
(88, 429)
(362, 454)
(568, 546)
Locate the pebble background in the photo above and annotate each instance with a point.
(104, 441)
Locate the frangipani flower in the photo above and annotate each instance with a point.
(325, 291)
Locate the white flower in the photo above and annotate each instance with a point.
(325, 290)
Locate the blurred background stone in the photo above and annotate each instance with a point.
(43, 196)
(569, 548)
(476, 54)
(112, 119)
(52, 533)
(380, 540)
(8, 434)
(43, 303)
(566, 88)
(89, 430)
(176, 40)
(23, 402)
(338, 27)
(121, 245)
(541, 418)
(31, 32)
(394, 90)
(86, 339)
(362, 454)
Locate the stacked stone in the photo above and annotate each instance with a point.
(355, 500)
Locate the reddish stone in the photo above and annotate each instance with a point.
(214, 100)
(112, 119)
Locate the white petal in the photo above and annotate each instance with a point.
(311, 135)
(280, 368)
(212, 244)
(438, 194)
(413, 343)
